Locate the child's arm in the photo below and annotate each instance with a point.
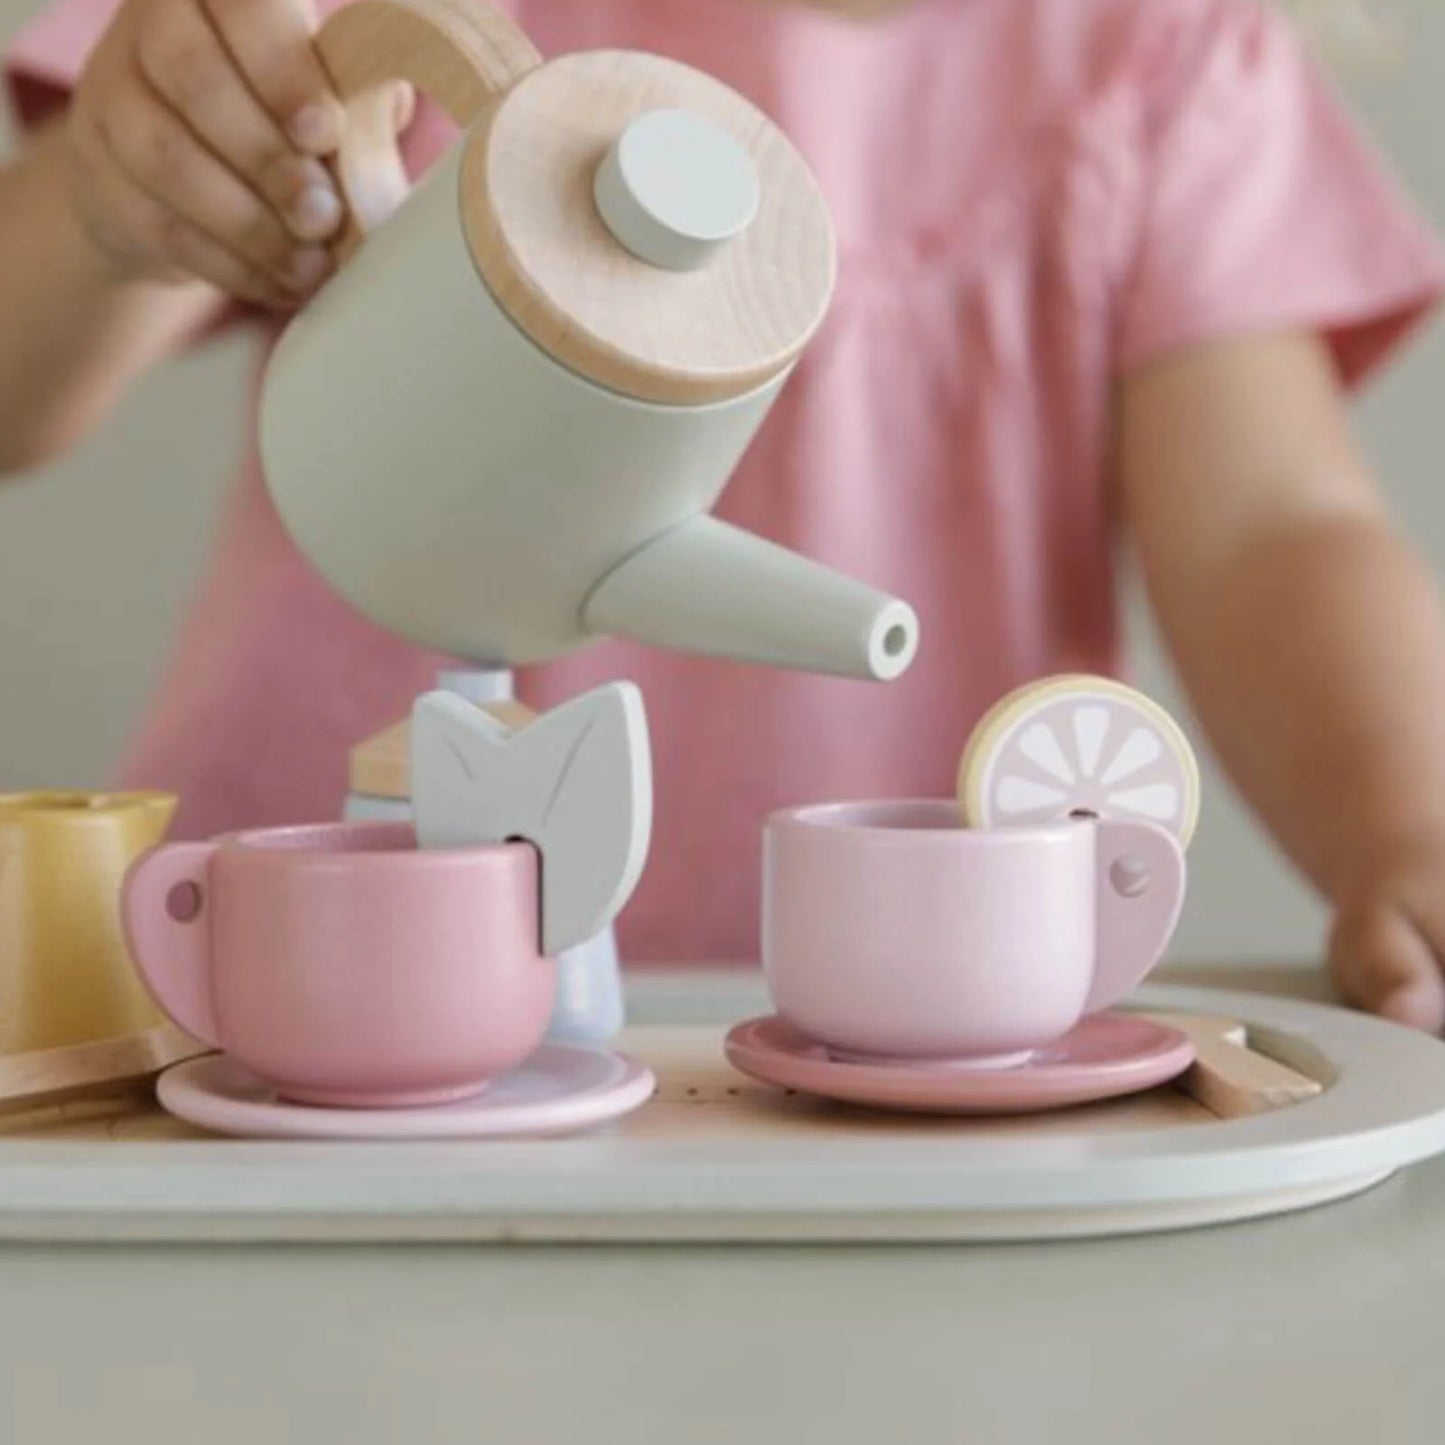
(1309, 636)
(72, 332)
(185, 169)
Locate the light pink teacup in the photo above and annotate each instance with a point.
(892, 931)
(342, 964)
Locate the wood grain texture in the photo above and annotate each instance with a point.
(706, 1163)
(1231, 1079)
(460, 55)
(700, 1097)
(673, 337)
(528, 209)
(381, 765)
(51, 1077)
(698, 1093)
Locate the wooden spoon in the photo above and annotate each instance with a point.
(1229, 1078)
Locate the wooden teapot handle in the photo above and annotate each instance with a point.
(460, 53)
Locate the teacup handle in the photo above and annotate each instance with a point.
(462, 56)
(164, 907)
(1140, 881)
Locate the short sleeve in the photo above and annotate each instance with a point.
(43, 62)
(1264, 207)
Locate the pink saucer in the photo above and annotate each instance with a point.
(1107, 1055)
(561, 1088)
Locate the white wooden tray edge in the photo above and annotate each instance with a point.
(606, 1186)
(900, 1227)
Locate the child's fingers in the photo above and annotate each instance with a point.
(201, 256)
(134, 220)
(270, 41)
(159, 155)
(1383, 963)
(183, 59)
(403, 104)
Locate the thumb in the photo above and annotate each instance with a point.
(1383, 962)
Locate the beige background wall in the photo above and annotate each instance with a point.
(97, 557)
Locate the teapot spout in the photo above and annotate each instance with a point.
(712, 588)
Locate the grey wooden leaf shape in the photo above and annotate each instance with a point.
(576, 783)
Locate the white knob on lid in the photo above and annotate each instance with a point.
(675, 188)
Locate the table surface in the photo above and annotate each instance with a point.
(1322, 1326)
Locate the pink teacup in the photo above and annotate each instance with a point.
(342, 964)
(892, 931)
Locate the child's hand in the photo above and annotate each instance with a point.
(1309, 635)
(1389, 939)
(195, 133)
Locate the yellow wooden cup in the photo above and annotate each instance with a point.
(65, 975)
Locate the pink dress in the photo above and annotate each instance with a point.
(1033, 197)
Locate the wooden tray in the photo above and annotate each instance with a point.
(718, 1157)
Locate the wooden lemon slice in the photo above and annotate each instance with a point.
(1079, 746)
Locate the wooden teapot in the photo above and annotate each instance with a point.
(500, 428)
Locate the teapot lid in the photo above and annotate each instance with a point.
(647, 226)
